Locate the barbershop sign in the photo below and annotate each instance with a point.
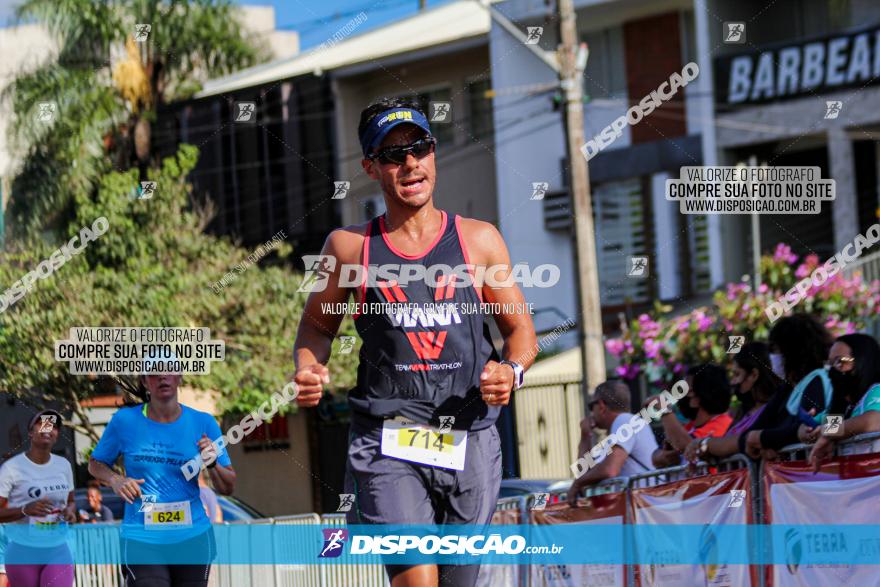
(786, 70)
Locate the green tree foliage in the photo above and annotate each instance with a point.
(107, 88)
(155, 267)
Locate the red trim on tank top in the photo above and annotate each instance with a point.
(365, 262)
(467, 258)
(400, 253)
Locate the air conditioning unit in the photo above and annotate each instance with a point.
(557, 210)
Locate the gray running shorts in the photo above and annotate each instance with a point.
(394, 491)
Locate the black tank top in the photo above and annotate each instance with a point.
(421, 364)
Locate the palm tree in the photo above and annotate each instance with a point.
(90, 109)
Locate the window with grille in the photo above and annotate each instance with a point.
(445, 132)
(605, 76)
(620, 235)
(479, 110)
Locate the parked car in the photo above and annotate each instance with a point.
(560, 486)
(514, 487)
(234, 509)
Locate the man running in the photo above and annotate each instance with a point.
(421, 371)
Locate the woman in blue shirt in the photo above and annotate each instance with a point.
(164, 518)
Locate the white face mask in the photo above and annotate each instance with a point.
(777, 364)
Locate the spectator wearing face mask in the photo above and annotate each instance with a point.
(705, 407)
(799, 346)
(854, 370)
(753, 384)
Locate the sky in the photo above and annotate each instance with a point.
(6, 9)
(315, 20)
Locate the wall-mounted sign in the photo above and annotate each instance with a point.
(811, 67)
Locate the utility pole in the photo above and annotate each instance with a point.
(756, 237)
(589, 310)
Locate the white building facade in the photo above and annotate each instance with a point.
(634, 47)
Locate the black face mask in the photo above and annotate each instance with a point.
(684, 406)
(745, 397)
(844, 384)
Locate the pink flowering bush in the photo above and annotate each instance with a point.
(660, 346)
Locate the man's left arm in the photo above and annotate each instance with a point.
(607, 468)
(488, 249)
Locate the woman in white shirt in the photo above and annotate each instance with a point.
(36, 503)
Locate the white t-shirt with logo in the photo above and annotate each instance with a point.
(639, 447)
(23, 481)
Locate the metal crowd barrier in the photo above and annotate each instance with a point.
(680, 472)
(612, 485)
(514, 503)
(91, 541)
(373, 575)
(297, 575)
(857, 445)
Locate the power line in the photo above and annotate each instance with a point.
(228, 129)
(449, 161)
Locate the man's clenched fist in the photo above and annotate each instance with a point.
(496, 383)
(310, 381)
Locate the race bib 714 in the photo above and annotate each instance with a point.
(420, 443)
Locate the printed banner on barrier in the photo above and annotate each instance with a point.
(608, 509)
(710, 501)
(796, 496)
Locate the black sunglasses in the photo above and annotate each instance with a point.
(397, 155)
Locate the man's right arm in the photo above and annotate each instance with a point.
(586, 442)
(662, 458)
(317, 328)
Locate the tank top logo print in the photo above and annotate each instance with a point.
(427, 345)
